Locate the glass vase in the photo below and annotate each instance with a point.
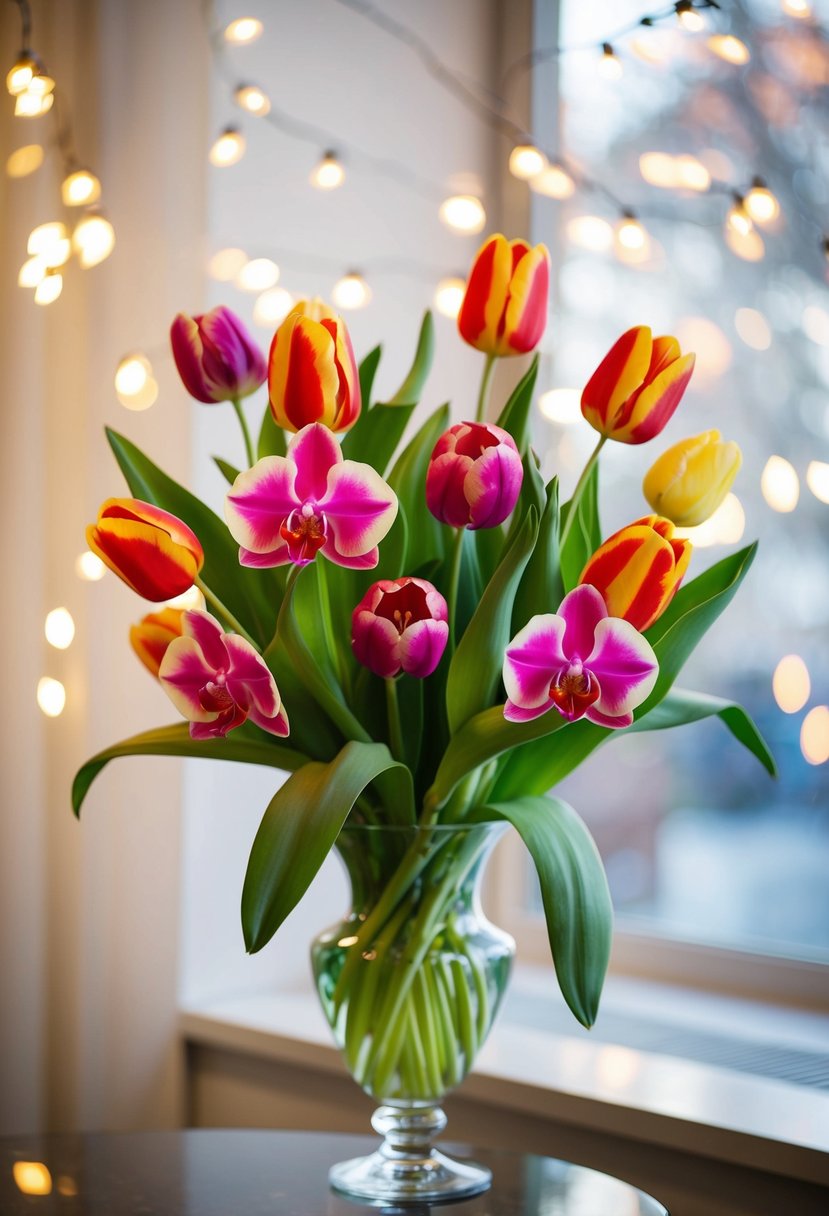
(410, 982)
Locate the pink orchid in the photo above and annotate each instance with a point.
(580, 661)
(218, 680)
(400, 624)
(289, 508)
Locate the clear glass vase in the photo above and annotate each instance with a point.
(410, 982)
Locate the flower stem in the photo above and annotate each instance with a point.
(579, 490)
(393, 712)
(225, 613)
(237, 405)
(328, 629)
(454, 580)
(483, 395)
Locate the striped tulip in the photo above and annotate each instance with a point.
(315, 308)
(154, 633)
(312, 373)
(474, 476)
(689, 481)
(637, 386)
(152, 551)
(218, 680)
(638, 570)
(504, 309)
(216, 357)
(400, 625)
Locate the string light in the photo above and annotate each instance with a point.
(738, 219)
(463, 213)
(272, 307)
(630, 233)
(691, 174)
(780, 484)
(228, 149)
(351, 291)
(815, 324)
(32, 103)
(134, 384)
(747, 245)
(814, 735)
(32, 271)
(609, 65)
(93, 239)
(449, 296)
(590, 232)
(526, 162)
(252, 99)
(689, 18)
(760, 203)
(257, 275)
(21, 74)
(553, 182)
(59, 628)
(79, 188)
(799, 9)
(46, 236)
(226, 264)
(243, 31)
(49, 288)
(561, 405)
(329, 173)
(729, 48)
(51, 697)
(58, 254)
(89, 567)
(32, 1177)
(791, 684)
(25, 160)
(817, 479)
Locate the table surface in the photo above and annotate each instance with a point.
(267, 1173)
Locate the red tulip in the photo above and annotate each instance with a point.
(638, 570)
(153, 634)
(152, 551)
(637, 386)
(504, 309)
(312, 372)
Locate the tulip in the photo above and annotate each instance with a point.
(152, 551)
(637, 386)
(151, 637)
(312, 373)
(579, 661)
(216, 356)
(315, 308)
(289, 508)
(504, 308)
(400, 624)
(218, 680)
(474, 476)
(689, 481)
(638, 570)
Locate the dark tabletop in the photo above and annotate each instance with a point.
(263, 1173)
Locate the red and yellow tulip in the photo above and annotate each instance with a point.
(504, 309)
(689, 481)
(153, 634)
(154, 553)
(637, 386)
(312, 372)
(638, 570)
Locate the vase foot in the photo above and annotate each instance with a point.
(434, 1176)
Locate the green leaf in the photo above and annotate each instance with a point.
(252, 596)
(367, 372)
(476, 665)
(681, 706)
(408, 480)
(411, 389)
(541, 588)
(271, 441)
(298, 829)
(247, 745)
(515, 416)
(228, 471)
(577, 904)
(585, 534)
(532, 494)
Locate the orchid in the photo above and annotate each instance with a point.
(217, 681)
(581, 662)
(289, 508)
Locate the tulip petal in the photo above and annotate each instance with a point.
(183, 673)
(375, 642)
(250, 681)
(445, 481)
(186, 342)
(526, 315)
(485, 298)
(147, 512)
(207, 632)
(315, 452)
(145, 558)
(359, 507)
(654, 406)
(421, 647)
(581, 610)
(625, 665)
(349, 399)
(635, 570)
(534, 656)
(618, 376)
(492, 485)
(303, 380)
(258, 503)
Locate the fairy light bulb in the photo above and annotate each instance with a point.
(791, 684)
(40, 84)
(351, 291)
(814, 735)
(463, 213)
(590, 232)
(630, 233)
(257, 275)
(93, 239)
(780, 484)
(243, 31)
(20, 76)
(59, 628)
(609, 65)
(746, 245)
(449, 296)
(32, 271)
(252, 99)
(58, 254)
(272, 307)
(51, 697)
(817, 479)
(799, 9)
(46, 236)
(31, 103)
(225, 264)
(32, 1177)
(131, 374)
(80, 188)
(228, 149)
(24, 160)
(329, 173)
(760, 203)
(728, 47)
(89, 567)
(526, 162)
(49, 288)
(738, 219)
(561, 405)
(688, 17)
(553, 182)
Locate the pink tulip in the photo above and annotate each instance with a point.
(579, 661)
(474, 476)
(289, 508)
(400, 625)
(216, 357)
(218, 680)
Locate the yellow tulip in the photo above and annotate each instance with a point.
(689, 481)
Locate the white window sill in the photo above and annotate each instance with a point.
(576, 1079)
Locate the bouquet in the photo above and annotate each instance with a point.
(420, 634)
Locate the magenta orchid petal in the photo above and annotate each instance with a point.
(314, 451)
(359, 507)
(362, 561)
(625, 665)
(492, 486)
(183, 672)
(207, 632)
(421, 647)
(260, 561)
(258, 502)
(375, 642)
(277, 724)
(581, 610)
(618, 722)
(250, 675)
(515, 713)
(533, 658)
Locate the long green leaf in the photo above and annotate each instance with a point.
(367, 372)
(476, 664)
(298, 829)
(577, 904)
(247, 745)
(515, 416)
(585, 535)
(541, 588)
(681, 706)
(408, 480)
(411, 389)
(271, 441)
(227, 470)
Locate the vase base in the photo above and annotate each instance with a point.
(381, 1179)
